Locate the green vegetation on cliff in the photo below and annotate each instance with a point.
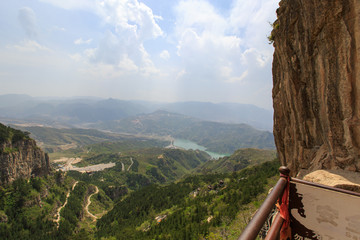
(8, 134)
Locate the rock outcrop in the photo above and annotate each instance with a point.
(336, 178)
(22, 159)
(316, 91)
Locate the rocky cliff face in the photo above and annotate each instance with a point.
(316, 92)
(22, 159)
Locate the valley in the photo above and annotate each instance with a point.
(145, 176)
(223, 138)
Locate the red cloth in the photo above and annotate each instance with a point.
(285, 232)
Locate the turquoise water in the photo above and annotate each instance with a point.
(186, 144)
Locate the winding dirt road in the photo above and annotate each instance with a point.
(132, 162)
(57, 215)
(88, 204)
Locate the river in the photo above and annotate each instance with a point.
(186, 144)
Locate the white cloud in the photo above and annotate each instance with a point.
(110, 50)
(218, 50)
(27, 19)
(200, 16)
(57, 28)
(131, 17)
(209, 46)
(195, 49)
(71, 4)
(206, 52)
(251, 19)
(239, 79)
(165, 55)
(80, 41)
(124, 15)
(129, 24)
(76, 57)
(180, 74)
(29, 46)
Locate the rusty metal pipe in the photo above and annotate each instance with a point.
(275, 228)
(256, 223)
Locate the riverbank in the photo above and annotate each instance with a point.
(187, 144)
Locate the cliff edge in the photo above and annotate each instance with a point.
(316, 84)
(20, 157)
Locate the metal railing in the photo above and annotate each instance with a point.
(253, 228)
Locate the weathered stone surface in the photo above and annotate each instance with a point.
(336, 178)
(24, 161)
(316, 91)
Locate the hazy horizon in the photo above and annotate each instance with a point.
(95, 98)
(173, 51)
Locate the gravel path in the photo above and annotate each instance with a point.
(57, 219)
(88, 204)
(132, 162)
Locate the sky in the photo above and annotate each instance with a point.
(169, 51)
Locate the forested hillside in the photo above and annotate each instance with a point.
(150, 192)
(27, 208)
(240, 159)
(189, 209)
(150, 200)
(141, 168)
(60, 139)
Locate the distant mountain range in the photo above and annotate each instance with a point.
(216, 137)
(55, 112)
(221, 128)
(225, 112)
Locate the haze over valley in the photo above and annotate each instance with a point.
(79, 111)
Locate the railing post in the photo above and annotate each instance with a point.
(275, 227)
(256, 223)
(284, 171)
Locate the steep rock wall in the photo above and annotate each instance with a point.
(316, 91)
(22, 159)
